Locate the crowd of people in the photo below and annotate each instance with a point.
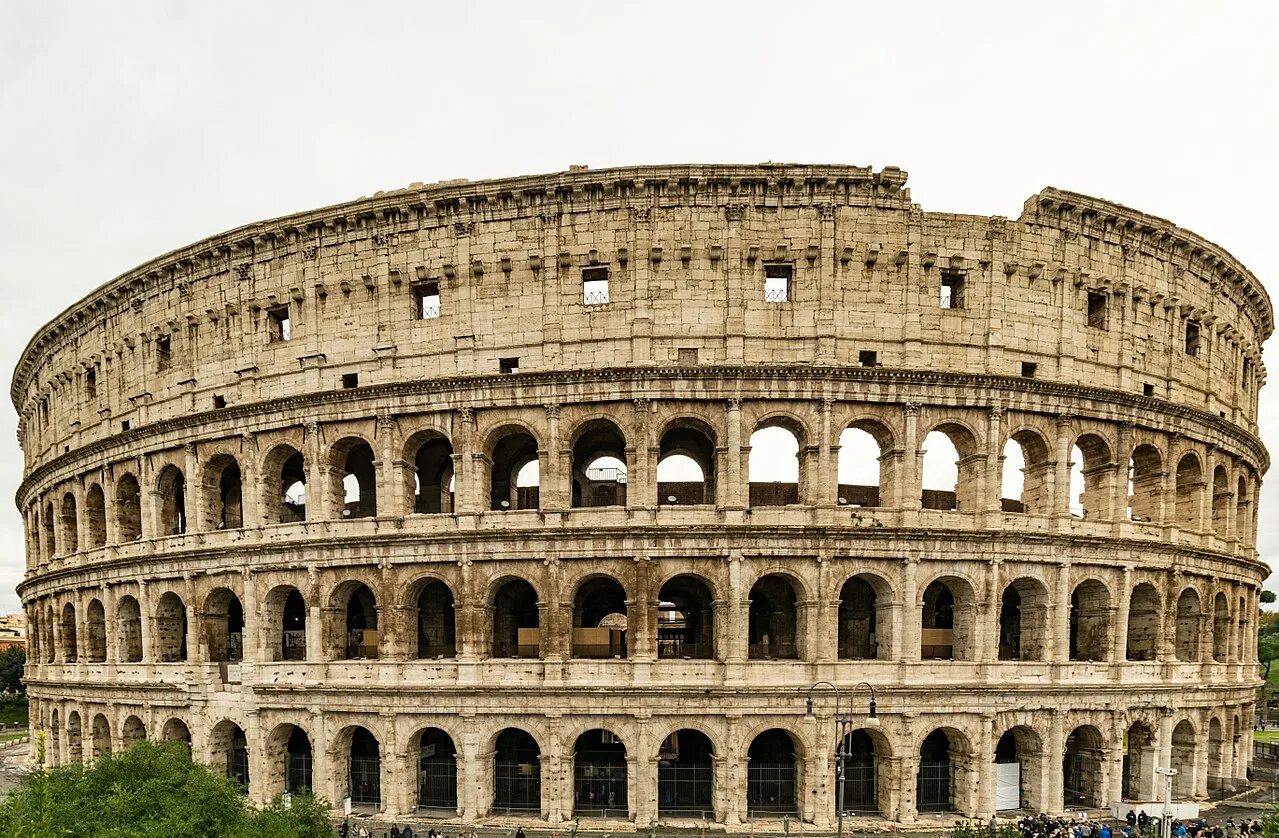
(1136, 825)
(349, 830)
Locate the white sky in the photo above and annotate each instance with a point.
(127, 130)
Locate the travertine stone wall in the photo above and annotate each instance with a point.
(272, 504)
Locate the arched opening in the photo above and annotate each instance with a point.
(223, 494)
(360, 639)
(286, 618)
(1081, 769)
(95, 517)
(599, 775)
(133, 731)
(1091, 476)
(946, 616)
(685, 776)
(171, 487)
(55, 740)
(290, 759)
(860, 620)
(1027, 474)
(129, 629)
(229, 747)
(75, 738)
(354, 479)
(1243, 628)
(169, 633)
(771, 774)
(935, 783)
(176, 730)
(1145, 484)
(1023, 621)
(1217, 780)
(1220, 628)
(1183, 760)
(1221, 502)
(101, 737)
(516, 621)
(1090, 621)
(67, 629)
(860, 467)
(1189, 619)
(1243, 513)
(773, 465)
(517, 772)
(599, 619)
(284, 493)
(95, 626)
(224, 626)
(437, 772)
(686, 464)
(1140, 757)
(436, 621)
(1016, 779)
(685, 619)
(599, 466)
(364, 768)
(951, 469)
(1190, 485)
(49, 528)
(773, 630)
(128, 508)
(1143, 623)
(50, 651)
(514, 476)
(70, 540)
(862, 777)
(432, 473)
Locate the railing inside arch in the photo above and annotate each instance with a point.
(685, 790)
(599, 788)
(298, 778)
(365, 787)
(932, 790)
(770, 788)
(237, 764)
(517, 786)
(860, 795)
(437, 783)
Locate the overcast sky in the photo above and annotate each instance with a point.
(127, 129)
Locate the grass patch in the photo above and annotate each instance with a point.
(13, 709)
(1265, 735)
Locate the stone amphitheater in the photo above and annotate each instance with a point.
(613, 494)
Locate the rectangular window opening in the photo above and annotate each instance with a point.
(687, 357)
(1097, 310)
(1028, 369)
(279, 323)
(426, 300)
(1148, 390)
(868, 358)
(952, 289)
(1192, 337)
(163, 352)
(1247, 373)
(219, 402)
(595, 286)
(124, 426)
(91, 382)
(508, 366)
(777, 279)
(350, 380)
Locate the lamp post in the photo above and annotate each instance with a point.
(843, 726)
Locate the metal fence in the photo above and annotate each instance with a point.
(684, 789)
(365, 785)
(770, 788)
(294, 646)
(599, 788)
(932, 791)
(437, 783)
(298, 777)
(237, 764)
(860, 794)
(517, 786)
(773, 651)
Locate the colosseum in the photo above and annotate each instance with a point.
(658, 495)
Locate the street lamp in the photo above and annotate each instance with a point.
(844, 725)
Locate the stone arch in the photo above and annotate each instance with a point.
(50, 650)
(864, 629)
(514, 469)
(171, 492)
(100, 734)
(133, 731)
(600, 618)
(863, 470)
(1143, 623)
(95, 629)
(686, 618)
(54, 757)
(75, 738)
(598, 472)
(128, 508)
(774, 774)
(67, 632)
(1092, 474)
(951, 468)
(1145, 484)
(95, 517)
(229, 751)
(169, 632)
(775, 628)
(129, 629)
(49, 528)
(1083, 768)
(223, 493)
(1090, 621)
(685, 775)
(1023, 620)
(1244, 526)
(176, 730)
(1217, 756)
(515, 629)
(285, 618)
(686, 462)
(1190, 486)
(1141, 754)
(284, 494)
(941, 781)
(355, 622)
(948, 617)
(433, 606)
(353, 481)
(290, 759)
(517, 771)
(70, 535)
(1183, 759)
(776, 465)
(1187, 633)
(867, 773)
(1028, 473)
(1022, 746)
(437, 771)
(359, 768)
(429, 478)
(1220, 628)
(599, 775)
(1222, 499)
(224, 626)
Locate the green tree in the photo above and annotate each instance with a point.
(12, 660)
(152, 790)
(1267, 651)
(1267, 596)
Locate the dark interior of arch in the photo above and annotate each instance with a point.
(685, 619)
(359, 464)
(697, 445)
(511, 453)
(293, 489)
(436, 626)
(362, 638)
(857, 620)
(597, 599)
(773, 619)
(515, 609)
(434, 466)
(293, 627)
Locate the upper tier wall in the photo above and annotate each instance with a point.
(687, 250)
